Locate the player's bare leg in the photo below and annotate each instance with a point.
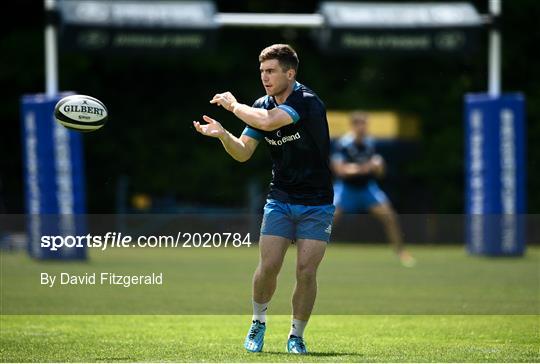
(388, 217)
(310, 254)
(272, 250)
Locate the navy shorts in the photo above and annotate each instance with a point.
(297, 221)
(354, 200)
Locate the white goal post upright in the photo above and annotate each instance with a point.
(51, 51)
(494, 58)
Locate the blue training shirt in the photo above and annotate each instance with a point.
(347, 150)
(300, 151)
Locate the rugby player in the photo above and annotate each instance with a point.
(357, 167)
(291, 120)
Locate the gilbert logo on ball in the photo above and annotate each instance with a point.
(81, 113)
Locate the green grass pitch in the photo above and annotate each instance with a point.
(450, 308)
(219, 339)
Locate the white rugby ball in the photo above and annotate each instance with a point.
(81, 113)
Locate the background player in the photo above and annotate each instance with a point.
(356, 167)
(291, 120)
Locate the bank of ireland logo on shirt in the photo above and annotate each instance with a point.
(282, 140)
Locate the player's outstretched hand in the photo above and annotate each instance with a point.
(212, 129)
(225, 99)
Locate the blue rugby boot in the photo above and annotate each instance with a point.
(296, 345)
(255, 337)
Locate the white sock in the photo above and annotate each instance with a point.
(259, 311)
(297, 328)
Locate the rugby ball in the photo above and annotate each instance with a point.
(81, 113)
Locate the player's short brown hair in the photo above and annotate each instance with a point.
(284, 53)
